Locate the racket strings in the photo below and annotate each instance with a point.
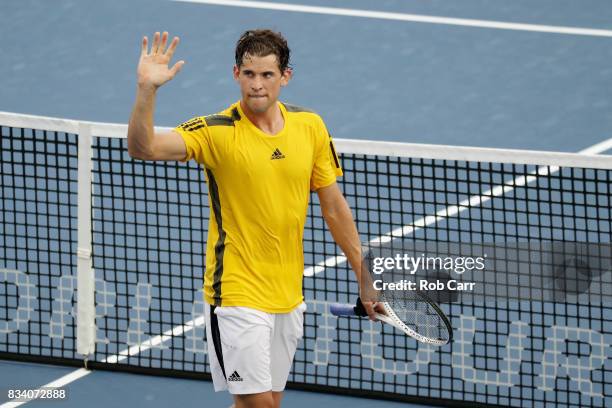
(418, 314)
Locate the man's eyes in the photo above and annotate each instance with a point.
(266, 75)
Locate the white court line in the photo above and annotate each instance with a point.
(417, 18)
(330, 262)
(155, 341)
(60, 382)
(598, 148)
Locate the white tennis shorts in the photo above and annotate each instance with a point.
(251, 351)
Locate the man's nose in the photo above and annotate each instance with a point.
(256, 84)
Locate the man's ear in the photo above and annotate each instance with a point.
(236, 72)
(286, 76)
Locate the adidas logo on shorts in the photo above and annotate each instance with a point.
(234, 377)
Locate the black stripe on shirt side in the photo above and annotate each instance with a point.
(220, 245)
(333, 150)
(216, 338)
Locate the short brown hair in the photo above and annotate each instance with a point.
(261, 43)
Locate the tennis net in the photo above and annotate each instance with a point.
(85, 225)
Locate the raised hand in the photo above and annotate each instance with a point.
(153, 69)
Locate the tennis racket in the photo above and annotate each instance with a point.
(409, 311)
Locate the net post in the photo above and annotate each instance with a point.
(86, 309)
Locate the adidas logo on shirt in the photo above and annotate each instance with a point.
(277, 155)
(234, 377)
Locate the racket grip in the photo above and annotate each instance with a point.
(338, 309)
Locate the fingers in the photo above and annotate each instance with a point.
(144, 48)
(164, 41)
(369, 307)
(159, 45)
(176, 68)
(172, 47)
(155, 45)
(379, 308)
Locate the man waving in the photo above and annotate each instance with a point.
(262, 158)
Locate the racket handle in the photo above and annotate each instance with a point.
(339, 309)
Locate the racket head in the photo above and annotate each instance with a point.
(416, 315)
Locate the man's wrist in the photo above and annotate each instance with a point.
(147, 88)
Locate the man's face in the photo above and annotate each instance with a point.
(260, 81)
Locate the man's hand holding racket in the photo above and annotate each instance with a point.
(410, 311)
(371, 308)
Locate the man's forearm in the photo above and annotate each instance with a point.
(140, 128)
(340, 221)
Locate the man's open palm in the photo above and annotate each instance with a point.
(153, 67)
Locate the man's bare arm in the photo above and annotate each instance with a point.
(153, 71)
(340, 221)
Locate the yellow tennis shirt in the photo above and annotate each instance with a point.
(259, 186)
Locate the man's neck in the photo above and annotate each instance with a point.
(270, 122)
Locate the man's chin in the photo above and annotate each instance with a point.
(259, 106)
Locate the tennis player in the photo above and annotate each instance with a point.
(261, 157)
